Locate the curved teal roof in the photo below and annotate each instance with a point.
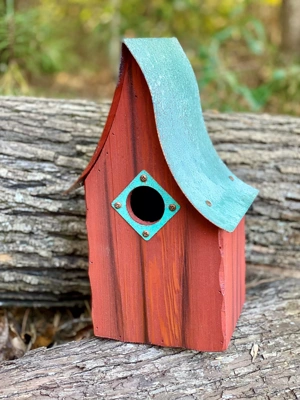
(188, 150)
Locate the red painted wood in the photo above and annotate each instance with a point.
(166, 291)
(232, 274)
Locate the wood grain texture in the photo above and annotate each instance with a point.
(168, 291)
(105, 369)
(232, 276)
(44, 146)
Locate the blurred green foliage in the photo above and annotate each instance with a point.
(28, 46)
(232, 44)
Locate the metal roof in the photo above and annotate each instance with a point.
(205, 180)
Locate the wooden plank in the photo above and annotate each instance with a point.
(232, 275)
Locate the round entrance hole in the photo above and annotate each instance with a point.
(146, 204)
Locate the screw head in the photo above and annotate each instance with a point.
(208, 203)
(143, 178)
(231, 178)
(145, 233)
(172, 207)
(117, 205)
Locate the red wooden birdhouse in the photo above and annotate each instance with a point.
(165, 216)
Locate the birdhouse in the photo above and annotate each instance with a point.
(165, 216)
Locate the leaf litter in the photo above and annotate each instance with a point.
(25, 329)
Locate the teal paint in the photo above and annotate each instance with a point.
(152, 228)
(188, 150)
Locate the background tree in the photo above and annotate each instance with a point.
(70, 48)
(290, 11)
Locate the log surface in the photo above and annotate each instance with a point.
(261, 363)
(44, 146)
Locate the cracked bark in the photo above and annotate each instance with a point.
(44, 146)
(106, 369)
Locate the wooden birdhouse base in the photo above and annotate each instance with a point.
(190, 297)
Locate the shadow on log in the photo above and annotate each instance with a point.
(45, 145)
(262, 362)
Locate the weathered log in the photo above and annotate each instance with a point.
(261, 363)
(45, 144)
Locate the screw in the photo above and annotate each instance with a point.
(117, 205)
(231, 178)
(208, 203)
(145, 233)
(143, 178)
(172, 207)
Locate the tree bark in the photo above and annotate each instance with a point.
(45, 145)
(262, 362)
(290, 26)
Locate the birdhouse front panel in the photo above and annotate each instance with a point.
(164, 214)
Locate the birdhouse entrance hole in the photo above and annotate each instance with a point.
(146, 204)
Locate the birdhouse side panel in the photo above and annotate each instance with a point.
(233, 275)
(165, 290)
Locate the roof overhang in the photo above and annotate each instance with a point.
(205, 180)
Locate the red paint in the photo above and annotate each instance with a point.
(184, 287)
(232, 276)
